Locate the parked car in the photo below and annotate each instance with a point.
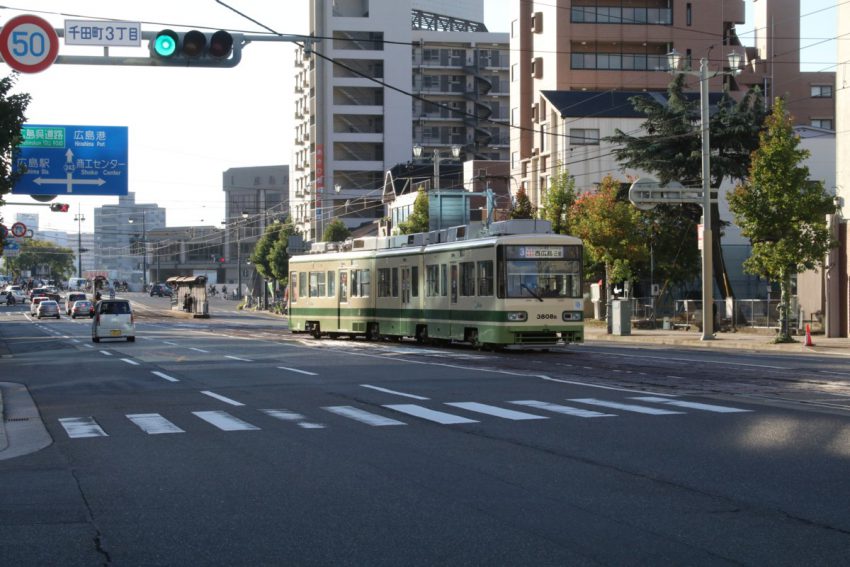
(34, 302)
(71, 298)
(13, 296)
(47, 308)
(113, 319)
(161, 290)
(83, 308)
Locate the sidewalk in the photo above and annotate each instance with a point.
(743, 339)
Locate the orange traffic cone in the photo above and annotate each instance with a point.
(809, 336)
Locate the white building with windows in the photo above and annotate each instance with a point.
(389, 74)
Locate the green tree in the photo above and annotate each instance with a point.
(336, 231)
(782, 211)
(557, 201)
(613, 232)
(260, 254)
(419, 218)
(671, 149)
(522, 208)
(12, 111)
(278, 255)
(35, 255)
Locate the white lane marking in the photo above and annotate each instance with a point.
(222, 398)
(169, 343)
(74, 341)
(698, 361)
(87, 346)
(153, 423)
(624, 407)
(164, 376)
(387, 391)
(691, 405)
(225, 421)
(298, 371)
(237, 358)
(106, 352)
(363, 416)
(199, 350)
(78, 427)
(130, 361)
(430, 415)
(286, 415)
(558, 408)
(835, 373)
(590, 385)
(495, 411)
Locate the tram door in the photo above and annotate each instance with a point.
(342, 296)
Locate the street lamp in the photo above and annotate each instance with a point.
(673, 60)
(144, 250)
(79, 217)
(417, 153)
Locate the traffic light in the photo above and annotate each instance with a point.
(59, 207)
(195, 48)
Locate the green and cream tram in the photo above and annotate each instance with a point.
(500, 288)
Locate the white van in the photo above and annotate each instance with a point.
(76, 284)
(113, 319)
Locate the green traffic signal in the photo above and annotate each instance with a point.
(165, 43)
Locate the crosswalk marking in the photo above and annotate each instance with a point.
(431, 415)
(397, 393)
(224, 399)
(691, 405)
(624, 407)
(225, 421)
(558, 408)
(495, 411)
(153, 423)
(363, 416)
(286, 415)
(79, 427)
(164, 376)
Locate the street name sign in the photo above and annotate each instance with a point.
(72, 160)
(103, 33)
(28, 44)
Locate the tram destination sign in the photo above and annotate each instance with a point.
(72, 160)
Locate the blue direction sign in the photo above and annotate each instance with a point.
(72, 160)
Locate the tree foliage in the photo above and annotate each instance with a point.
(522, 208)
(38, 255)
(336, 231)
(612, 230)
(12, 110)
(781, 210)
(418, 220)
(557, 200)
(278, 255)
(260, 254)
(670, 148)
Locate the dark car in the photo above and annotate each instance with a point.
(161, 290)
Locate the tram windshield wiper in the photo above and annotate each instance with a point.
(531, 291)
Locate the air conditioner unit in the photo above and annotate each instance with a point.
(537, 22)
(537, 67)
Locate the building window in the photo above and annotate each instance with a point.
(689, 15)
(825, 123)
(821, 91)
(584, 137)
(618, 15)
(544, 137)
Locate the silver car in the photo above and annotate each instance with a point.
(47, 308)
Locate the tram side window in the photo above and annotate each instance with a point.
(360, 283)
(414, 281)
(432, 275)
(302, 284)
(444, 288)
(317, 284)
(467, 279)
(394, 279)
(383, 282)
(293, 287)
(485, 278)
(331, 284)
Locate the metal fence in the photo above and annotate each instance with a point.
(760, 313)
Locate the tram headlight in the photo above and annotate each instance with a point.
(572, 315)
(517, 316)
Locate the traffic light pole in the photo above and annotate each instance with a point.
(79, 218)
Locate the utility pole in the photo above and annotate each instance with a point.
(79, 217)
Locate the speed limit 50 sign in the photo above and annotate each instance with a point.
(28, 44)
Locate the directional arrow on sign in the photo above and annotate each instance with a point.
(69, 180)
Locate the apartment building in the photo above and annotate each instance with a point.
(611, 45)
(390, 75)
(120, 234)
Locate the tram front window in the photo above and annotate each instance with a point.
(530, 276)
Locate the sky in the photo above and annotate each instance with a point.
(187, 126)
